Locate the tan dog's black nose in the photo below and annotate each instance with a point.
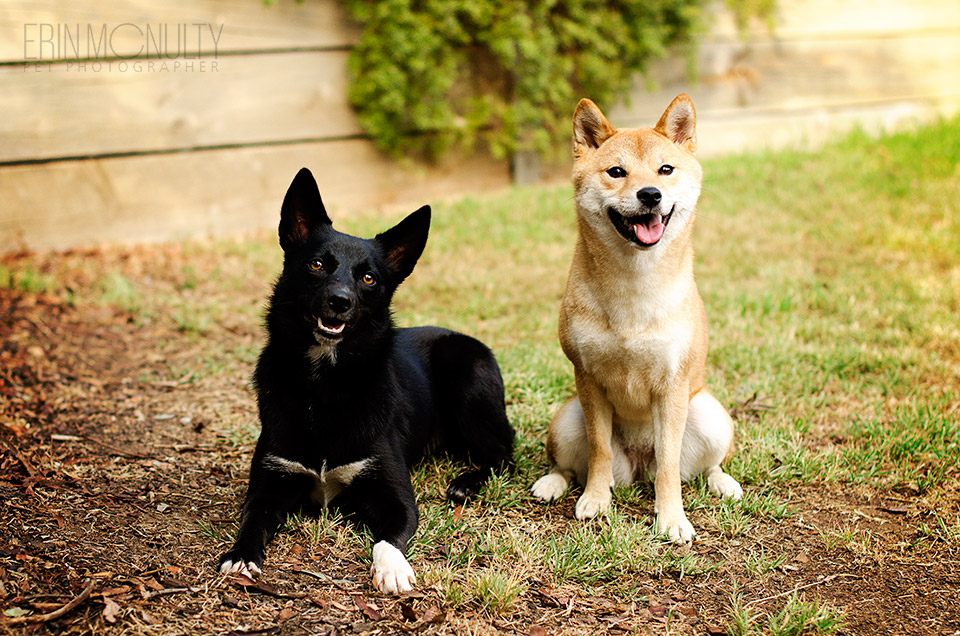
(649, 196)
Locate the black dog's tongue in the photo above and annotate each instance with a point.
(649, 228)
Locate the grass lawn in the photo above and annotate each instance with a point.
(832, 287)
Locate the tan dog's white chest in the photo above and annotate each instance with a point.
(633, 340)
(632, 364)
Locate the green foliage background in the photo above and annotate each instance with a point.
(428, 74)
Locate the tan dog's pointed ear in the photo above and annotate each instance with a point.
(679, 123)
(590, 127)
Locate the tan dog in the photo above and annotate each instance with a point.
(633, 324)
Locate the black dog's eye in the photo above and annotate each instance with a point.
(665, 169)
(617, 172)
(368, 279)
(316, 264)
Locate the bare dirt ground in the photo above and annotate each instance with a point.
(108, 476)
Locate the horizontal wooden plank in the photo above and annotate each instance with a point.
(217, 193)
(253, 25)
(720, 134)
(70, 110)
(61, 111)
(795, 75)
(248, 25)
(833, 19)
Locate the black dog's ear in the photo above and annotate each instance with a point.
(403, 243)
(302, 210)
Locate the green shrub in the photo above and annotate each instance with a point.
(428, 74)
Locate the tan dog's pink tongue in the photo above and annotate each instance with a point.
(650, 231)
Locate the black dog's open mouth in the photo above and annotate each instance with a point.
(644, 230)
(331, 327)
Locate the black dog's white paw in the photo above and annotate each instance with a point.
(391, 572)
(233, 562)
(249, 568)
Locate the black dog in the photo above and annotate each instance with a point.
(348, 402)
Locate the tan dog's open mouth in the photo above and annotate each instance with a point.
(643, 230)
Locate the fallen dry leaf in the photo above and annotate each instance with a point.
(153, 584)
(434, 615)
(686, 610)
(264, 588)
(110, 610)
(896, 510)
(364, 607)
(554, 596)
(408, 612)
(241, 579)
(15, 612)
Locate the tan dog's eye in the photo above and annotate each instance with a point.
(665, 169)
(617, 172)
(368, 279)
(316, 264)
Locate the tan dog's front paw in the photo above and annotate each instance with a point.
(677, 529)
(590, 505)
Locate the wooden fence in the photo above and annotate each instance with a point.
(99, 144)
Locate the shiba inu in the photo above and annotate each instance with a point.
(348, 402)
(633, 324)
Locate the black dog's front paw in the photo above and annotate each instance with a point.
(240, 561)
(467, 485)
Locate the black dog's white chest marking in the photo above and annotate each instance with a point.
(328, 483)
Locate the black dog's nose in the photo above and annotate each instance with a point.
(649, 196)
(339, 302)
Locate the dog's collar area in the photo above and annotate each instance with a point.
(643, 230)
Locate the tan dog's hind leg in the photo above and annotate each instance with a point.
(669, 419)
(707, 440)
(598, 424)
(569, 452)
(567, 449)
